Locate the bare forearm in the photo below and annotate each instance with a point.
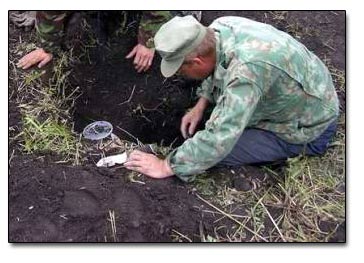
(202, 104)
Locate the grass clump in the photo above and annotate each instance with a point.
(313, 205)
(48, 136)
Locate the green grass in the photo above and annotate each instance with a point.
(309, 197)
(48, 136)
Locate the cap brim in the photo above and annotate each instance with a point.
(169, 68)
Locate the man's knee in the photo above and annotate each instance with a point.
(256, 146)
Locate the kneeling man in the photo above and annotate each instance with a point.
(273, 98)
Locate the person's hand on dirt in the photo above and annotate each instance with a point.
(26, 19)
(38, 56)
(193, 118)
(143, 57)
(148, 164)
(190, 122)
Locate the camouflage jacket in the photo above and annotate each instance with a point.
(50, 27)
(264, 79)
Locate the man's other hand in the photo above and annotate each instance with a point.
(38, 56)
(143, 57)
(190, 122)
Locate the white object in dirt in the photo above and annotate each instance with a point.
(97, 130)
(112, 160)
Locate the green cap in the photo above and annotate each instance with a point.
(176, 39)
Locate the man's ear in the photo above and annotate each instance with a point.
(198, 61)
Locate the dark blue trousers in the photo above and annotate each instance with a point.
(256, 146)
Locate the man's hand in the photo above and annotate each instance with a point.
(190, 122)
(193, 118)
(148, 164)
(143, 57)
(35, 57)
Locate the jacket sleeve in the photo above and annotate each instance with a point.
(150, 23)
(50, 29)
(227, 122)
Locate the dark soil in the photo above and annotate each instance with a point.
(72, 204)
(144, 104)
(53, 202)
(139, 103)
